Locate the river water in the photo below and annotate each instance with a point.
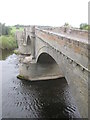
(42, 99)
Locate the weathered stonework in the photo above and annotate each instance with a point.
(68, 50)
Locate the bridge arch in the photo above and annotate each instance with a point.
(45, 58)
(46, 50)
(48, 55)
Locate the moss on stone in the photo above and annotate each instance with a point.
(16, 52)
(21, 77)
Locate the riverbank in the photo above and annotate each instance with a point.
(8, 42)
(5, 53)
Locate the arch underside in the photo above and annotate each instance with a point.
(50, 52)
(46, 56)
(28, 40)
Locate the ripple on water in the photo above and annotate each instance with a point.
(42, 99)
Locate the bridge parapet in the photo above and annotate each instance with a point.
(70, 31)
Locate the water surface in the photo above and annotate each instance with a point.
(41, 99)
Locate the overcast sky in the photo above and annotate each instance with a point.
(44, 12)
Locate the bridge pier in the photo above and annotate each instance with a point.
(32, 32)
(29, 69)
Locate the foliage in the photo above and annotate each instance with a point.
(14, 29)
(7, 36)
(8, 42)
(21, 77)
(66, 24)
(9, 30)
(84, 26)
(4, 30)
(18, 26)
(16, 51)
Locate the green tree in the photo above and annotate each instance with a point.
(4, 30)
(66, 24)
(7, 30)
(0, 29)
(84, 26)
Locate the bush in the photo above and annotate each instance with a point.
(4, 30)
(8, 42)
(7, 36)
(84, 26)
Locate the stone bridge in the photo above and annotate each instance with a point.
(65, 47)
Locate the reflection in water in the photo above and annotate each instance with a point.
(4, 54)
(41, 99)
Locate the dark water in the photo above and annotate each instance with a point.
(42, 99)
(4, 54)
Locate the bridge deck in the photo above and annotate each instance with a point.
(70, 36)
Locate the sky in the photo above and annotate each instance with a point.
(44, 12)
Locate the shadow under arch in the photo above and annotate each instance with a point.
(49, 65)
(45, 58)
(28, 40)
